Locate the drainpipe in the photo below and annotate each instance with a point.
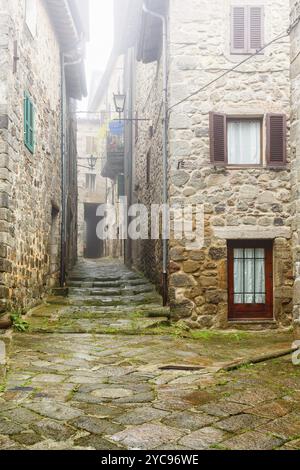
(63, 192)
(163, 19)
(129, 169)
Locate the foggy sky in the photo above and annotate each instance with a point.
(101, 40)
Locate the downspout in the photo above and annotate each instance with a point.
(129, 168)
(163, 19)
(63, 192)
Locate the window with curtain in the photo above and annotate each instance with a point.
(91, 145)
(244, 142)
(90, 182)
(249, 276)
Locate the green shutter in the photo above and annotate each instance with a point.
(121, 186)
(28, 123)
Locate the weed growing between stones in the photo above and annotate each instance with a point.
(19, 324)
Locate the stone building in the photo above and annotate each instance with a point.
(41, 76)
(112, 142)
(91, 186)
(295, 150)
(228, 150)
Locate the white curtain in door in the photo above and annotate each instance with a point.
(249, 276)
(244, 142)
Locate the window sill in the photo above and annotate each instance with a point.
(244, 167)
(251, 167)
(247, 53)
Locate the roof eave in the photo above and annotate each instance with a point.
(64, 23)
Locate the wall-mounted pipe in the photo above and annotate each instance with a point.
(63, 181)
(163, 19)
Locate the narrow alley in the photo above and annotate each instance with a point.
(91, 373)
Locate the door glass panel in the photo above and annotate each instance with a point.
(260, 277)
(249, 276)
(238, 276)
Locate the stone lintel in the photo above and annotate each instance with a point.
(251, 233)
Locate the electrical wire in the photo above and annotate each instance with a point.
(278, 38)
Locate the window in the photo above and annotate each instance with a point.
(247, 29)
(250, 280)
(91, 145)
(244, 142)
(239, 141)
(28, 123)
(31, 15)
(90, 182)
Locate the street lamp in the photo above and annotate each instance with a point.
(92, 161)
(119, 99)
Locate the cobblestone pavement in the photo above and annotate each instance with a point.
(103, 369)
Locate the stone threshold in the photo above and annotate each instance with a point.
(258, 359)
(254, 325)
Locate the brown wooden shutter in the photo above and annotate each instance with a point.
(238, 30)
(276, 139)
(256, 30)
(218, 138)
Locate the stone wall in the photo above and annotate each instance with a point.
(147, 181)
(30, 183)
(238, 203)
(71, 186)
(4, 161)
(295, 152)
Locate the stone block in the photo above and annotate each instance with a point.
(3, 251)
(181, 309)
(3, 121)
(180, 178)
(178, 254)
(297, 292)
(190, 266)
(182, 280)
(5, 266)
(217, 253)
(4, 200)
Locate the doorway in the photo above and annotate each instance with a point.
(93, 246)
(250, 270)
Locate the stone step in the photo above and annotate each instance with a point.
(105, 301)
(53, 309)
(128, 326)
(128, 290)
(94, 279)
(107, 284)
(76, 291)
(132, 282)
(126, 277)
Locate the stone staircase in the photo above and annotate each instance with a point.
(103, 297)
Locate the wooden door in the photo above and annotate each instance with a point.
(250, 275)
